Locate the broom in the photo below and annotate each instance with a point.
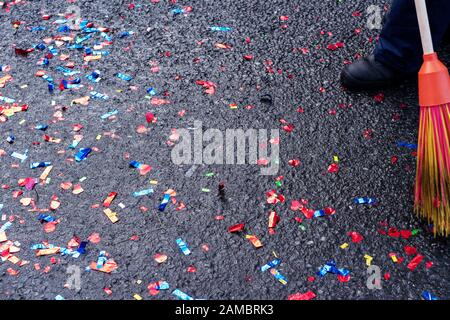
(432, 188)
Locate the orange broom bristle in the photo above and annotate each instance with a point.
(432, 189)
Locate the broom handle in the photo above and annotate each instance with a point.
(424, 26)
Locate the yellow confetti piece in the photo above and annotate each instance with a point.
(22, 121)
(98, 137)
(13, 259)
(394, 258)
(137, 297)
(274, 254)
(112, 216)
(8, 112)
(24, 86)
(83, 101)
(172, 192)
(3, 237)
(46, 172)
(46, 252)
(254, 240)
(344, 245)
(92, 58)
(335, 158)
(368, 259)
(154, 182)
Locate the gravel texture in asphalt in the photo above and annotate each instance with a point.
(279, 64)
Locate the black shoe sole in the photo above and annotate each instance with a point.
(353, 84)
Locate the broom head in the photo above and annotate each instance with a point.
(432, 188)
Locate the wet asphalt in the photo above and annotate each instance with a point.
(291, 68)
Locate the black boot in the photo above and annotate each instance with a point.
(368, 73)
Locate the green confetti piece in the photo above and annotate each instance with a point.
(205, 190)
(415, 231)
(278, 183)
(302, 227)
(209, 174)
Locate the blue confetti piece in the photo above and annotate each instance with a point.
(429, 296)
(270, 265)
(183, 246)
(164, 202)
(223, 29)
(407, 145)
(365, 200)
(142, 192)
(43, 164)
(82, 154)
(181, 295)
(109, 114)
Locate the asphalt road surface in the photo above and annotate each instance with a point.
(276, 67)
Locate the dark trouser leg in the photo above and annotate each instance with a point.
(399, 46)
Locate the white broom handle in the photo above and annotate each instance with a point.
(424, 26)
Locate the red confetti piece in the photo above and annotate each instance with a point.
(302, 296)
(273, 219)
(236, 228)
(295, 205)
(393, 232)
(298, 219)
(294, 162)
(335, 46)
(108, 291)
(191, 269)
(356, 237)
(410, 250)
(405, 234)
(394, 159)
(273, 197)
(144, 169)
(159, 102)
(210, 87)
(379, 97)
(109, 199)
(50, 226)
(343, 279)
(309, 213)
(94, 237)
(141, 129)
(412, 265)
(160, 257)
(150, 117)
(368, 133)
(12, 272)
(333, 168)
